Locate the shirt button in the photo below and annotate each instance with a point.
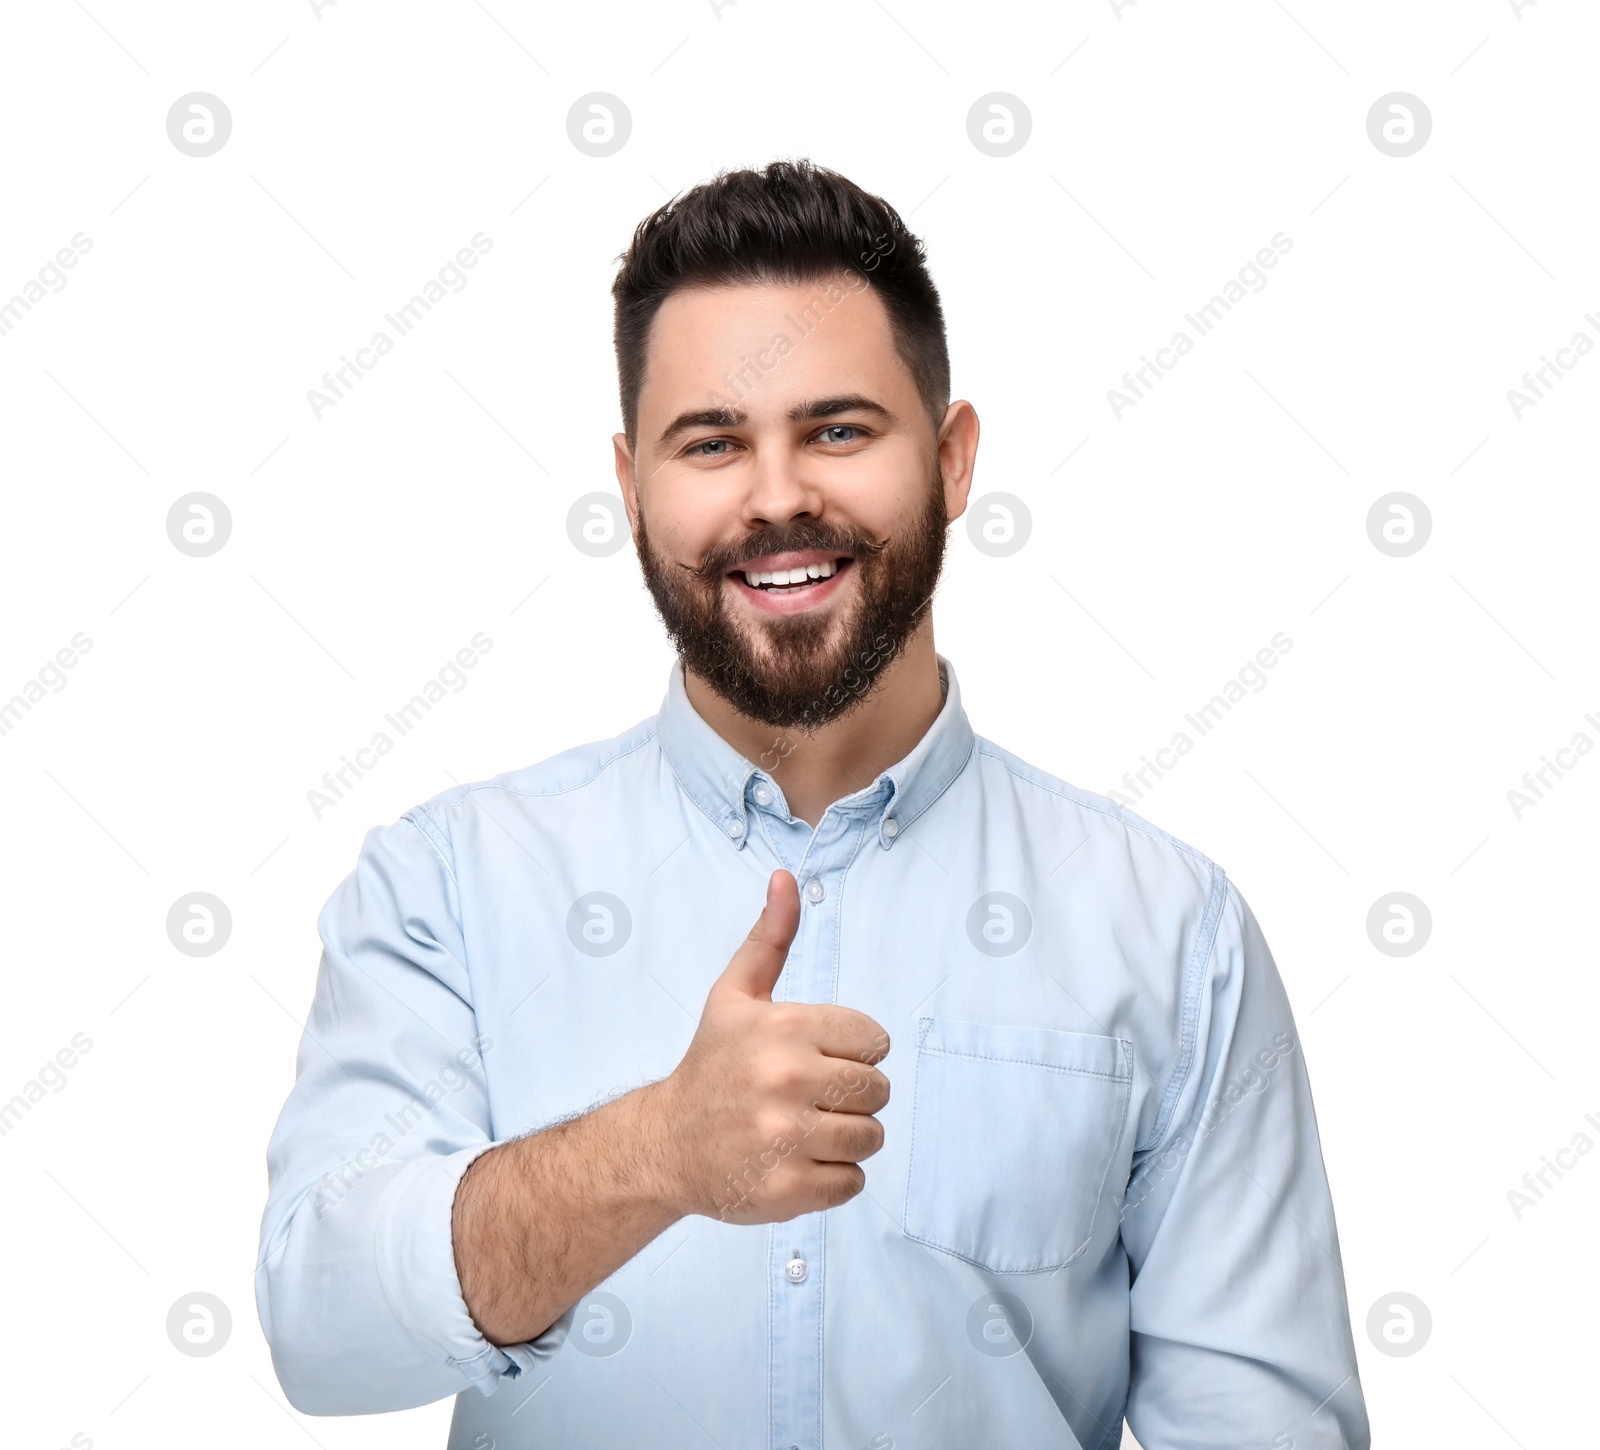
(736, 828)
(763, 795)
(815, 890)
(795, 1270)
(891, 827)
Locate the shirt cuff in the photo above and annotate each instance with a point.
(417, 1270)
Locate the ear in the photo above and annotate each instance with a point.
(958, 455)
(625, 477)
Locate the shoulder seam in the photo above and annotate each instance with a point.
(1204, 951)
(438, 843)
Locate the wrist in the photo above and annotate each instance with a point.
(661, 1148)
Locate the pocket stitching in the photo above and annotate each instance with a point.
(926, 1025)
(1032, 1062)
(1111, 1157)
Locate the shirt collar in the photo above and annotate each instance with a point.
(720, 780)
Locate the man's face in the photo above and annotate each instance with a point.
(764, 446)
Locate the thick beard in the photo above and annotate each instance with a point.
(799, 682)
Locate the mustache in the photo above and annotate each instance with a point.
(724, 558)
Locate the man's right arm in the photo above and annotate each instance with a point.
(366, 1269)
(539, 1221)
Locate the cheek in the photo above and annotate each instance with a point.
(678, 528)
(894, 486)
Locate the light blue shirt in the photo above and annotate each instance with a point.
(1100, 1192)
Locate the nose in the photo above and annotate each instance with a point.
(780, 489)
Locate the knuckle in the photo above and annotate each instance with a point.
(868, 1138)
(773, 1128)
(846, 1185)
(832, 1096)
(787, 1020)
(785, 1076)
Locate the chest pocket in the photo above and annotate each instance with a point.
(1013, 1130)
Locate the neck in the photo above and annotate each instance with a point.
(844, 756)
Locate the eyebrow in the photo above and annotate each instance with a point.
(844, 403)
(702, 418)
(800, 413)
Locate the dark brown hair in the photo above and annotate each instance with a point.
(791, 222)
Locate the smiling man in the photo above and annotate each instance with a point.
(573, 1140)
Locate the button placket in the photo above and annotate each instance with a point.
(796, 1249)
(796, 1255)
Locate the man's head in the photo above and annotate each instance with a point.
(784, 384)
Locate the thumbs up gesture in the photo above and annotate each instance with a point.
(771, 1109)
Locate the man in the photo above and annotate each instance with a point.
(573, 1140)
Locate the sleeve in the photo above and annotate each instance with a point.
(356, 1283)
(1239, 1326)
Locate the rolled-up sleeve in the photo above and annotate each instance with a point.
(356, 1282)
(1240, 1330)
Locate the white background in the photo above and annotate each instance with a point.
(1169, 143)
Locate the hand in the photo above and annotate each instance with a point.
(771, 1109)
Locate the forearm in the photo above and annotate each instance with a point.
(539, 1221)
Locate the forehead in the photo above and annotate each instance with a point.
(773, 341)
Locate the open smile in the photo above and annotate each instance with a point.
(788, 591)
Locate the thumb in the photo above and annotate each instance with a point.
(757, 964)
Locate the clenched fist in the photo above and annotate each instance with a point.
(772, 1107)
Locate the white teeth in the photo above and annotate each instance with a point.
(756, 578)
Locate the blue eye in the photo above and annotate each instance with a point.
(840, 428)
(708, 443)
